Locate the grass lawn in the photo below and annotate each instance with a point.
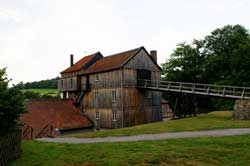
(230, 151)
(213, 120)
(43, 91)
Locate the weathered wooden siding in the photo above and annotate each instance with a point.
(142, 61)
(84, 85)
(105, 79)
(129, 77)
(139, 106)
(68, 84)
(105, 120)
(104, 99)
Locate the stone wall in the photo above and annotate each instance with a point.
(242, 110)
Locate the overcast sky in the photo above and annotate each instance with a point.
(37, 36)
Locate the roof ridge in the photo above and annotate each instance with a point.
(123, 52)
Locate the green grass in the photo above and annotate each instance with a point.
(213, 120)
(43, 91)
(230, 151)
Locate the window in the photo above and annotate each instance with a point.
(113, 116)
(97, 77)
(97, 115)
(62, 84)
(113, 95)
(71, 83)
(96, 95)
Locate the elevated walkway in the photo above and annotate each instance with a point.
(222, 91)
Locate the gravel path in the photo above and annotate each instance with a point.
(188, 134)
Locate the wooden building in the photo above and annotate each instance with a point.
(105, 88)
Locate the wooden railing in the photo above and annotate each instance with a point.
(27, 132)
(235, 92)
(47, 131)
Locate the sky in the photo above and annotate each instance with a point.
(37, 36)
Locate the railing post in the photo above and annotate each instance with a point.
(180, 87)
(168, 85)
(146, 84)
(208, 89)
(224, 92)
(243, 93)
(193, 88)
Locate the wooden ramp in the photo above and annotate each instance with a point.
(223, 91)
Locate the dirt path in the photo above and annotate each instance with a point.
(188, 134)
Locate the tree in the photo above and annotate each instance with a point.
(222, 57)
(223, 48)
(185, 63)
(11, 104)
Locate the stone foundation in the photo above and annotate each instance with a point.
(241, 110)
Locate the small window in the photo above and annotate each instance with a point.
(71, 83)
(113, 116)
(62, 84)
(97, 77)
(96, 95)
(113, 95)
(97, 115)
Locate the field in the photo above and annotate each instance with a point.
(43, 91)
(213, 120)
(228, 151)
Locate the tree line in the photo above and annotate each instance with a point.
(43, 84)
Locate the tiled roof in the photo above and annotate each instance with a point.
(111, 62)
(59, 113)
(79, 64)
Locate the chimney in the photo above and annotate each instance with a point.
(153, 54)
(71, 60)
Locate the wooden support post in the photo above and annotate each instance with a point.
(175, 106)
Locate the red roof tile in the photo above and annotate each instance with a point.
(59, 113)
(79, 64)
(111, 62)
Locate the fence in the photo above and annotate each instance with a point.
(10, 147)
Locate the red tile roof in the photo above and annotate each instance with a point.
(79, 64)
(111, 62)
(59, 113)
